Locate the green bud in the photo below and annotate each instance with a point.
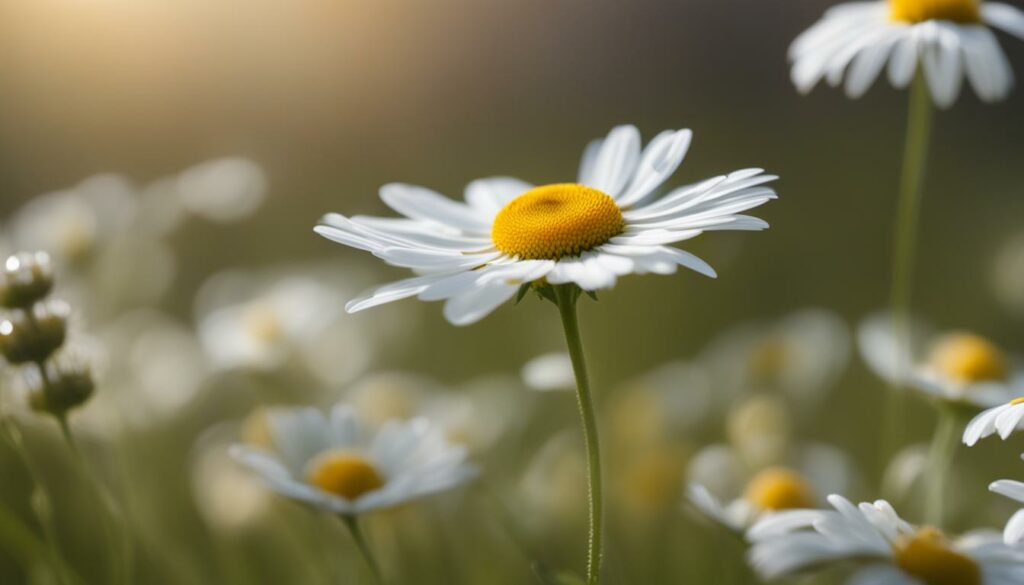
(63, 384)
(26, 279)
(32, 335)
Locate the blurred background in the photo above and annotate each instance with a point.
(174, 157)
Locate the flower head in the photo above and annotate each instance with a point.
(331, 463)
(949, 39)
(476, 254)
(887, 549)
(958, 366)
(736, 496)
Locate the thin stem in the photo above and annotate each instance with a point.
(352, 523)
(114, 521)
(915, 158)
(40, 501)
(566, 296)
(940, 459)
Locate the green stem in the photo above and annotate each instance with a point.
(40, 501)
(915, 158)
(114, 522)
(566, 296)
(352, 523)
(940, 459)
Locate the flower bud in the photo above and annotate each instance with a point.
(32, 335)
(63, 383)
(26, 278)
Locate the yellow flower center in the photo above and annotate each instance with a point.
(778, 488)
(769, 359)
(556, 221)
(969, 358)
(914, 11)
(928, 556)
(343, 473)
(263, 323)
(1017, 401)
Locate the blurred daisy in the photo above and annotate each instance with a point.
(72, 224)
(1014, 533)
(151, 368)
(480, 413)
(725, 490)
(659, 406)
(949, 39)
(222, 190)
(801, 354)
(265, 321)
(331, 463)
(959, 367)
(550, 371)
(889, 550)
(476, 254)
(1002, 419)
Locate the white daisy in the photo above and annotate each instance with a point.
(727, 492)
(1013, 534)
(267, 321)
(476, 254)
(958, 366)
(801, 354)
(951, 39)
(330, 462)
(889, 550)
(1002, 419)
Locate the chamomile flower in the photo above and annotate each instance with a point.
(725, 490)
(476, 254)
(1013, 534)
(801, 355)
(887, 549)
(959, 366)
(332, 463)
(267, 321)
(948, 39)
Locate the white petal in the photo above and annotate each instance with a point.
(615, 161)
(491, 194)
(473, 305)
(423, 204)
(660, 159)
(943, 62)
(1009, 488)
(903, 62)
(1014, 532)
(1004, 16)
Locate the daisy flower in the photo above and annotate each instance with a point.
(332, 463)
(958, 367)
(726, 491)
(476, 254)
(560, 239)
(800, 354)
(1013, 534)
(949, 39)
(329, 462)
(887, 549)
